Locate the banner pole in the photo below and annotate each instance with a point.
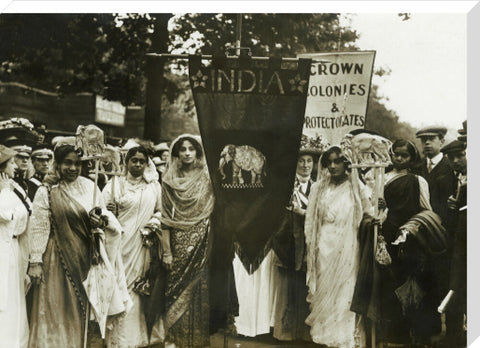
(239, 33)
(208, 57)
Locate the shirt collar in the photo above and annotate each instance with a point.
(436, 159)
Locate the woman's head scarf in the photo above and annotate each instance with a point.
(186, 200)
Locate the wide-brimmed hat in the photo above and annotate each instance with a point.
(20, 146)
(432, 131)
(6, 153)
(314, 146)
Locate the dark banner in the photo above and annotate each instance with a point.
(250, 115)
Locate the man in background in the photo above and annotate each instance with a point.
(42, 157)
(457, 203)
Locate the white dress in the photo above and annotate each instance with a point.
(256, 296)
(332, 264)
(13, 262)
(139, 203)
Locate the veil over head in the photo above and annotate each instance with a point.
(315, 211)
(186, 199)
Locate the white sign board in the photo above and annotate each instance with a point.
(337, 94)
(109, 112)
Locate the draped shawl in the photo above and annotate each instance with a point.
(186, 200)
(73, 243)
(314, 217)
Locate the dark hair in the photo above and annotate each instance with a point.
(134, 150)
(193, 141)
(325, 161)
(159, 153)
(411, 148)
(63, 151)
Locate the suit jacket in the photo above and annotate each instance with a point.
(442, 183)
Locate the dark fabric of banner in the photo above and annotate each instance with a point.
(250, 116)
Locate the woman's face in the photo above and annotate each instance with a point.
(164, 156)
(187, 152)
(401, 158)
(136, 165)
(70, 167)
(305, 165)
(336, 166)
(10, 167)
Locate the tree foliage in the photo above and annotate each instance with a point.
(283, 35)
(70, 53)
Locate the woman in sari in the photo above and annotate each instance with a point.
(187, 202)
(137, 201)
(69, 236)
(336, 206)
(408, 301)
(14, 213)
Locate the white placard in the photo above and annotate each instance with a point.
(109, 112)
(338, 93)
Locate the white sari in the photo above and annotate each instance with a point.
(331, 227)
(139, 204)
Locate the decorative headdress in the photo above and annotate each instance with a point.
(313, 146)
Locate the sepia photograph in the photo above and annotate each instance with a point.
(205, 175)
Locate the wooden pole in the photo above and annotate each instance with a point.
(95, 188)
(208, 57)
(239, 33)
(87, 317)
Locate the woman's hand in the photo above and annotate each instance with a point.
(298, 209)
(4, 181)
(113, 207)
(35, 272)
(96, 219)
(167, 260)
(382, 203)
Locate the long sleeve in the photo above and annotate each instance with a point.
(6, 208)
(424, 193)
(39, 227)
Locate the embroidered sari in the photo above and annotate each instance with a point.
(187, 202)
(332, 222)
(60, 231)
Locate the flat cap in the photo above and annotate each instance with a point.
(42, 151)
(453, 146)
(432, 131)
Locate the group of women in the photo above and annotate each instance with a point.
(136, 259)
(331, 279)
(129, 266)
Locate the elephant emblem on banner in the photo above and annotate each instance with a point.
(241, 166)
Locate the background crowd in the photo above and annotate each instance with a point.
(126, 264)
